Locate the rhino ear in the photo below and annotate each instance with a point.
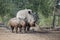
(29, 12)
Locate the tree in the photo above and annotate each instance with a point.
(42, 8)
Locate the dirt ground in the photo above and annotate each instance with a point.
(6, 34)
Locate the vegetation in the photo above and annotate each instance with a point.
(43, 8)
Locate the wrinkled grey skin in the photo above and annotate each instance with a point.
(26, 15)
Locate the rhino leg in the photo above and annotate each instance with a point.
(16, 29)
(12, 28)
(23, 29)
(20, 29)
(28, 27)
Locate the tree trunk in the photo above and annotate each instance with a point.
(53, 21)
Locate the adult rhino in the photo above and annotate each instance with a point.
(26, 14)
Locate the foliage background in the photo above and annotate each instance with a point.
(43, 8)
